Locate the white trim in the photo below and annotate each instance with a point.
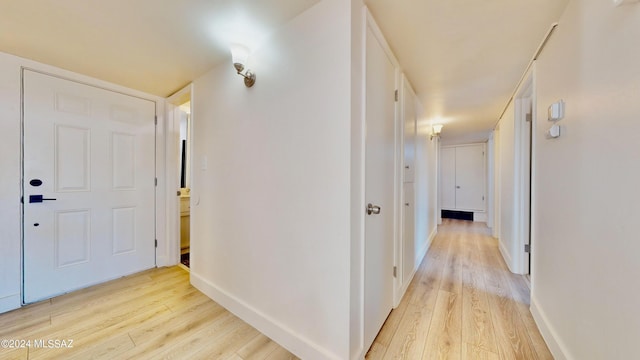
(506, 256)
(556, 346)
(271, 327)
(10, 302)
(172, 209)
(525, 98)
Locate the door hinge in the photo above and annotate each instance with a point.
(156, 243)
(156, 181)
(483, 198)
(395, 271)
(528, 118)
(527, 248)
(155, 119)
(396, 95)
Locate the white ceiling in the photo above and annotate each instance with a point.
(463, 57)
(154, 46)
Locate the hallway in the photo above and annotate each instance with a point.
(463, 303)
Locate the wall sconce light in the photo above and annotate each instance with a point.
(435, 131)
(239, 55)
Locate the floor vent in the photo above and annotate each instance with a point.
(459, 215)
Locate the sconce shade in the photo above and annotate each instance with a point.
(239, 55)
(435, 131)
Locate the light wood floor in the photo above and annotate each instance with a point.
(156, 314)
(463, 303)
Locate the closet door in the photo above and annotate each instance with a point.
(448, 177)
(470, 177)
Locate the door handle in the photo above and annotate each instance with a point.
(457, 187)
(38, 199)
(373, 209)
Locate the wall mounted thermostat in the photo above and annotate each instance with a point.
(556, 111)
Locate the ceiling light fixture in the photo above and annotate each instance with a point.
(239, 55)
(435, 131)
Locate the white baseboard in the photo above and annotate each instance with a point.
(10, 302)
(506, 256)
(558, 350)
(423, 252)
(418, 260)
(280, 333)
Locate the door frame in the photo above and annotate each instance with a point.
(525, 102)
(172, 209)
(159, 195)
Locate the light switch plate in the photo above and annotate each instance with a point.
(556, 111)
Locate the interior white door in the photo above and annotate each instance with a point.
(89, 192)
(379, 188)
(448, 177)
(470, 177)
(408, 232)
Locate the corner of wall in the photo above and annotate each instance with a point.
(294, 342)
(558, 350)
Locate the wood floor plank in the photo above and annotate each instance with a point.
(281, 354)
(478, 309)
(477, 326)
(151, 315)
(410, 337)
(376, 352)
(445, 334)
(257, 348)
(470, 351)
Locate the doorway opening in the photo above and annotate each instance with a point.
(179, 129)
(184, 117)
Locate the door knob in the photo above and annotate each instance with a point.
(373, 209)
(38, 199)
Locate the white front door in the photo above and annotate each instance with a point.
(88, 185)
(379, 188)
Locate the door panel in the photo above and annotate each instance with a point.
(448, 177)
(470, 177)
(94, 151)
(408, 232)
(409, 113)
(379, 188)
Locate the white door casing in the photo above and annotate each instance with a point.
(379, 186)
(94, 152)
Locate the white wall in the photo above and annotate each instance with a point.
(10, 182)
(585, 286)
(426, 201)
(271, 213)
